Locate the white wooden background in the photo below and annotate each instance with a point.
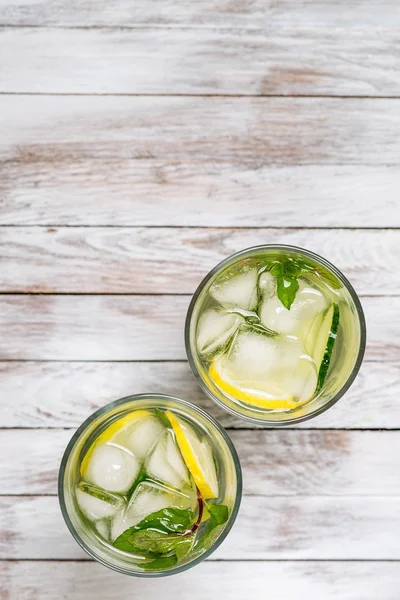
(140, 143)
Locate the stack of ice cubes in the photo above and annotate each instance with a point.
(138, 472)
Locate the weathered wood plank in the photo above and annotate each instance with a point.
(286, 463)
(302, 527)
(48, 327)
(258, 13)
(158, 260)
(92, 327)
(65, 394)
(250, 132)
(325, 61)
(84, 191)
(236, 580)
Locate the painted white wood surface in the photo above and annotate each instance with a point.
(234, 580)
(274, 463)
(161, 260)
(37, 394)
(267, 528)
(57, 187)
(320, 513)
(245, 132)
(126, 327)
(326, 61)
(203, 13)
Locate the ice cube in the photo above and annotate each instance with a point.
(252, 353)
(214, 331)
(301, 382)
(103, 528)
(166, 464)
(148, 498)
(270, 363)
(267, 285)
(141, 437)
(96, 503)
(298, 320)
(112, 468)
(237, 287)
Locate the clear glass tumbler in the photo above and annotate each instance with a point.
(227, 468)
(223, 297)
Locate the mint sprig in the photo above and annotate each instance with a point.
(219, 514)
(153, 534)
(287, 270)
(168, 535)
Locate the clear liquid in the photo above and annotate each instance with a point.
(216, 363)
(162, 481)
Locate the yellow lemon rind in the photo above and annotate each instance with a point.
(108, 434)
(190, 458)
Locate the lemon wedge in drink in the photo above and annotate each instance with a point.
(197, 456)
(248, 391)
(109, 434)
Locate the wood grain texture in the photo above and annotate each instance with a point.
(74, 190)
(51, 327)
(92, 327)
(291, 528)
(57, 394)
(323, 61)
(203, 13)
(274, 463)
(164, 260)
(250, 132)
(208, 156)
(236, 580)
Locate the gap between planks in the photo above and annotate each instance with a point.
(198, 95)
(44, 225)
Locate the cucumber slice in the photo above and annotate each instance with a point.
(324, 343)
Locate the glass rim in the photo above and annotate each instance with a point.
(120, 402)
(361, 319)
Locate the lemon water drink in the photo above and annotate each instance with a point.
(275, 333)
(152, 487)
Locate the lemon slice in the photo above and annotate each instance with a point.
(197, 456)
(248, 392)
(109, 434)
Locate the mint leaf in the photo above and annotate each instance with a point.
(287, 287)
(305, 267)
(149, 542)
(151, 535)
(286, 272)
(219, 513)
(160, 563)
(124, 541)
(212, 536)
(184, 546)
(170, 520)
(160, 414)
(276, 269)
(155, 542)
(291, 267)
